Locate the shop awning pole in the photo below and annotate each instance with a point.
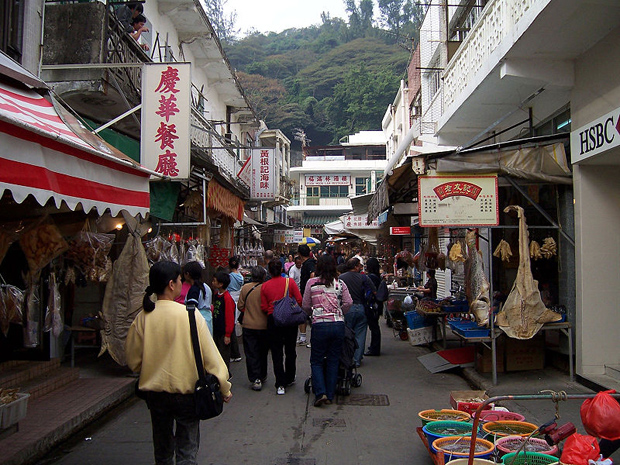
(540, 209)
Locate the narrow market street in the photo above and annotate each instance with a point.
(377, 424)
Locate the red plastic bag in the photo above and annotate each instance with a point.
(601, 416)
(578, 449)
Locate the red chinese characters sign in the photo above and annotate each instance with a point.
(165, 141)
(458, 200)
(260, 172)
(332, 179)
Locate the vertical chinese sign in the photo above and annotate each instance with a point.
(165, 140)
(263, 180)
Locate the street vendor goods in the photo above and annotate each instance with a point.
(549, 247)
(477, 285)
(503, 251)
(123, 297)
(89, 251)
(40, 245)
(601, 416)
(535, 251)
(524, 312)
(456, 253)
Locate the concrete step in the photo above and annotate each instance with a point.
(613, 371)
(54, 417)
(50, 381)
(16, 373)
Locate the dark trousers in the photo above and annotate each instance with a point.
(283, 343)
(223, 348)
(608, 447)
(256, 349)
(234, 345)
(168, 441)
(375, 331)
(327, 339)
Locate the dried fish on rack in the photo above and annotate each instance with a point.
(503, 251)
(535, 251)
(549, 248)
(456, 253)
(477, 286)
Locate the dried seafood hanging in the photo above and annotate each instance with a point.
(456, 253)
(503, 251)
(477, 286)
(524, 312)
(535, 251)
(549, 248)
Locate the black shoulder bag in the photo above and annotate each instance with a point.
(209, 400)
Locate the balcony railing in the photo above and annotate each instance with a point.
(305, 201)
(497, 21)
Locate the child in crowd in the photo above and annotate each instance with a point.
(199, 293)
(223, 314)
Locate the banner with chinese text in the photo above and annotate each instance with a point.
(166, 108)
(327, 179)
(263, 179)
(458, 201)
(359, 222)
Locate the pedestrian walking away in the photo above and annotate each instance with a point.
(356, 317)
(223, 314)
(374, 274)
(255, 336)
(282, 339)
(326, 300)
(308, 266)
(236, 281)
(159, 347)
(199, 293)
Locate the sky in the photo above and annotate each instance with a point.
(278, 15)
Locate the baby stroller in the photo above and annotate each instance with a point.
(347, 371)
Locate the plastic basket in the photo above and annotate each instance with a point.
(436, 429)
(441, 444)
(511, 444)
(415, 320)
(445, 414)
(529, 458)
(466, 461)
(509, 428)
(499, 415)
(14, 411)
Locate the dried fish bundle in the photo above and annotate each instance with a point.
(503, 251)
(549, 248)
(456, 253)
(535, 251)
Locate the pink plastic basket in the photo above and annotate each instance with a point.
(510, 444)
(498, 415)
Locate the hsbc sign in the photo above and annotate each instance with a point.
(596, 137)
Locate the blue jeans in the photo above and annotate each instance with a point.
(326, 345)
(356, 320)
(168, 441)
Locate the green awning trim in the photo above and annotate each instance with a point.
(320, 220)
(125, 144)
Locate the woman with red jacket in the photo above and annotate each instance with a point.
(282, 339)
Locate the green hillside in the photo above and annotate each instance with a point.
(330, 80)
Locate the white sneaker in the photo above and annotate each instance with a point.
(257, 385)
(308, 346)
(238, 359)
(280, 391)
(301, 341)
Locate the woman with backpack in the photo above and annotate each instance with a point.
(326, 300)
(199, 293)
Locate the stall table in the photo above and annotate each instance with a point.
(563, 327)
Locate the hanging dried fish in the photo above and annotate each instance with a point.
(503, 251)
(549, 248)
(535, 251)
(456, 253)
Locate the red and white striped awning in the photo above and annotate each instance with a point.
(42, 156)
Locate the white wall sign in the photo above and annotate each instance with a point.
(263, 174)
(458, 201)
(359, 222)
(331, 179)
(289, 236)
(166, 108)
(596, 137)
(298, 235)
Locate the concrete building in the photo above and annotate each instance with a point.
(510, 74)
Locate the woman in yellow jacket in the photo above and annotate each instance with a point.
(159, 347)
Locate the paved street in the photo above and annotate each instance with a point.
(260, 427)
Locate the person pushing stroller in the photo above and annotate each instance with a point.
(326, 300)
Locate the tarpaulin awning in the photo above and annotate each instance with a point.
(318, 220)
(222, 200)
(40, 155)
(337, 228)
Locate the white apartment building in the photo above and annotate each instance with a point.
(331, 175)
